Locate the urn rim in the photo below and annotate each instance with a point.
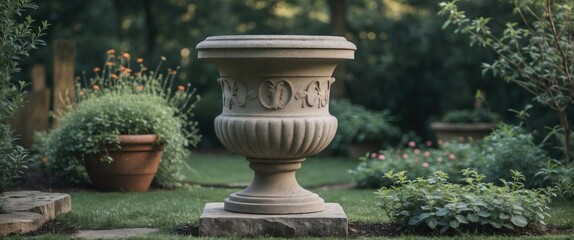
(276, 42)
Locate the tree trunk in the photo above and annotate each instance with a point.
(338, 11)
(151, 33)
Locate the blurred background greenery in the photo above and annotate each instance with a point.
(405, 64)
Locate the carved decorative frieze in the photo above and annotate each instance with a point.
(316, 95)
(235, 93)
(275, 93)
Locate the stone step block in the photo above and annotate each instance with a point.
(27, 211)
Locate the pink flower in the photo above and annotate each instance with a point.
(439, 159)
(425, 164)
(373, 155)
(460, 139)
(381, 157)
(428, 143)
(440, 142)
(412, 144)
(426, 153)
(451, 156)
(405, 156)
(417, 151)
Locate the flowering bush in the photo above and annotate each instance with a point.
(120, 100)
(418, 160)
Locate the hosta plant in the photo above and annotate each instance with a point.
(435, 204)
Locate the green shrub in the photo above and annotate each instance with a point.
(435, 204)
(560, 177)
(116, 102)
(417, 160)
(17, 38)
(358, 124)
(509, 147)
(95, 124)
(477, 115)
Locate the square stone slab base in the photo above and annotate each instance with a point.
(217, 222)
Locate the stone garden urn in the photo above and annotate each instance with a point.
(275, 112)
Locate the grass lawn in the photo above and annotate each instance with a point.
(169, 210)
(216, 169)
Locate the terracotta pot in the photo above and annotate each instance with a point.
(133, 166)
(275, 112)
(461, 131)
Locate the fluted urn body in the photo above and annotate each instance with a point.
(275, 93)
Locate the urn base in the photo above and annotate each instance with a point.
(274, 190)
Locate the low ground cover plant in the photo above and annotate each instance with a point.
(434, 204)
(119, 100)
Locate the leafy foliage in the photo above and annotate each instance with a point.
(433, 203)
(406, 64)
(18, 36)
(509, 147)
(118, 101)
(417, 160)
(535, 53)
(560, 177)
(358, 124)
(477, 115)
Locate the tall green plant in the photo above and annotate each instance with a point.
(17, 37)
(536, 53)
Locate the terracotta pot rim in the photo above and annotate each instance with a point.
(137, 138)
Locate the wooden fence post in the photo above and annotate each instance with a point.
(64, 56)
(33, 116)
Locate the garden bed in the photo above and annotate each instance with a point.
(176, 212)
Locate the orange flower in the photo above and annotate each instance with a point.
(139, 60)
(111, 52)
(96, 87)
(125, 55)
(114, 76)
(97, 69)
(180, 88)
(138, 87)
(173, 72)
(110, 64)
(127, 70)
